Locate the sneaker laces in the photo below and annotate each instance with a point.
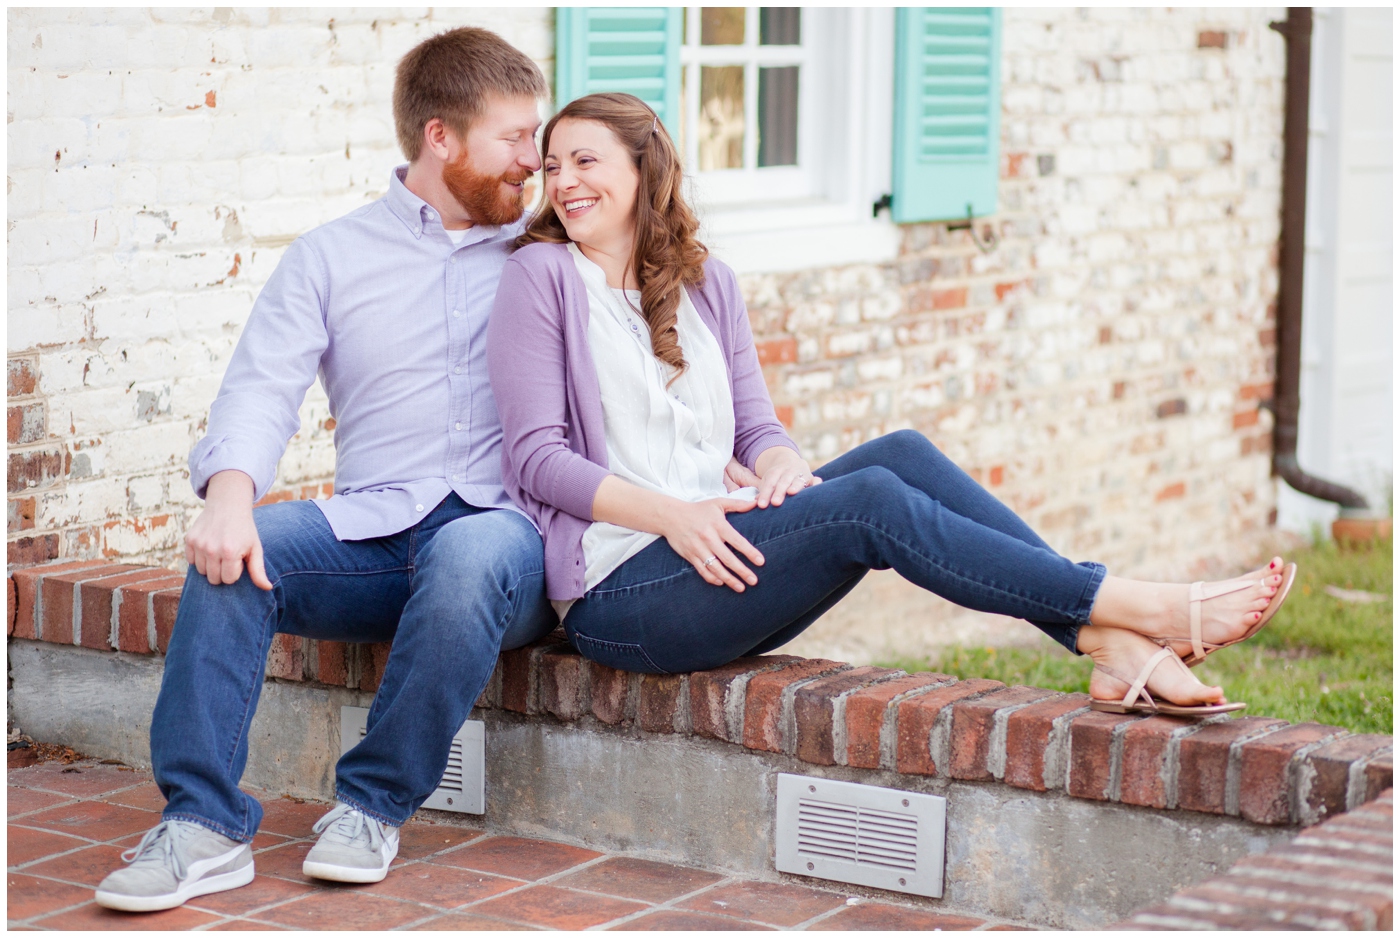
(162, 846)
(344, 825)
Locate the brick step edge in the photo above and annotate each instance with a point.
(822, 712)
(1338, 875)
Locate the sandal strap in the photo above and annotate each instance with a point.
(1198, 595)
(1222, 587)
(1200, 592)
(1139, 685)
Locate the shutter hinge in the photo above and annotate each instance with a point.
(884, 201)
(987, 242)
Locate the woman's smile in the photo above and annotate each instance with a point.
(576, 207)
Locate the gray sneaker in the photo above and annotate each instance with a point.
(354, 847)
(174, 862)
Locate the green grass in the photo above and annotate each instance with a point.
(1320, 659)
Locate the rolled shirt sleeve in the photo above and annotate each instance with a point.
(276, 360)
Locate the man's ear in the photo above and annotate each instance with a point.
(435, 134)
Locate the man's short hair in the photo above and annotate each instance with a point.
(451, 75)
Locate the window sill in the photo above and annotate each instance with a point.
(789, 236)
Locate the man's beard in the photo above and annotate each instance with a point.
(481, 195)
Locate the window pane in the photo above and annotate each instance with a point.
(721, 130)
(777, 116)
(779, 26)
(721, 26)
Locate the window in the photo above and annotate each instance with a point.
(794, 122)
(786, 127)
(742, 105)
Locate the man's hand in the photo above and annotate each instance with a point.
(738, 476)
(224, 536)
(781, 472)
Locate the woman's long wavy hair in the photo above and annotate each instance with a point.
(665, 257)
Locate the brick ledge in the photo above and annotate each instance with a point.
(1337, 875)
(822, 712)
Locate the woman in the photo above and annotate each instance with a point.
(626, 379)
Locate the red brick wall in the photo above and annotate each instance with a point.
(821, 712)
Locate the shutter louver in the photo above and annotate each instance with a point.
(631, 49)
(947, 112)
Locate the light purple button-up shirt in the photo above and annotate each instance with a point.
(392, 316)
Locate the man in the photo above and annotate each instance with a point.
(419, 543)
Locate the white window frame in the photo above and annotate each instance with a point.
(845, 148)
(723, 187)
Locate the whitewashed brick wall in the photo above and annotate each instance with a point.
(1100, 370)
(159, 163)
(1108, 356)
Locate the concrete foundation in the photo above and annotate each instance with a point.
(100, 703)
(1047, 858)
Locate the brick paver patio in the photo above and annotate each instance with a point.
(68, 824)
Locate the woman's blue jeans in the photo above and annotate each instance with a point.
(893, 502)
(450, 592)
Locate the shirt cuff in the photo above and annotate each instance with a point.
(212, 456)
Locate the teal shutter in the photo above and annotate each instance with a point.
(632, 49)
(947, 103)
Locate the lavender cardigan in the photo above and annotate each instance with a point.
(555, 452)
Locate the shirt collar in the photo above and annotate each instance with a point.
(415, 213)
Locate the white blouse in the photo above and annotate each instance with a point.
(675, 440)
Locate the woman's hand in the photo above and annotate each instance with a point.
(699, 532)
(781, 472)
(696, 531)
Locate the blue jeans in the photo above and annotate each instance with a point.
(450, 592)
(893, 502)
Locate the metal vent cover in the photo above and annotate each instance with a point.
(861, 834)
(463, 785)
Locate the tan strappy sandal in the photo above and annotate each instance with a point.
(1200, 592)
(1137, 688)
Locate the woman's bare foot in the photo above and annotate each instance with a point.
(1124, 653)
(1162, 610)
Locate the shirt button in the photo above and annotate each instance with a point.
(456, 312)
(457, 477)
(457, 425)
(457, 370)
(417, 507)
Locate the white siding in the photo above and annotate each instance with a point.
(1348, 309)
